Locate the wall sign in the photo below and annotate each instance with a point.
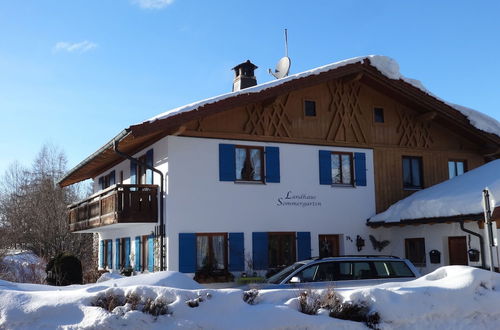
(297, 199)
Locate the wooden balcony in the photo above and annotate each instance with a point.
(120, 203)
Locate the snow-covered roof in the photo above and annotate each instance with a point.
(461, 195)
(386, 65)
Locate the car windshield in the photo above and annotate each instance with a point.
(279, 277)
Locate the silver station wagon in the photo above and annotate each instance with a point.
(344, 272)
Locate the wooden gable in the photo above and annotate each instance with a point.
(345, 117)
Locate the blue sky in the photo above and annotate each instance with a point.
(75, 73)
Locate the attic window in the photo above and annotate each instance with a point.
(378, 115)
(309, 108)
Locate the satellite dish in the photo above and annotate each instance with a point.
(283, 66)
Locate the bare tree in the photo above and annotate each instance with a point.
(33, 213)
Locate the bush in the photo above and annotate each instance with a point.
(111, 300)
(64, 269)
(250, 296)
(358, 312)
(310, 302)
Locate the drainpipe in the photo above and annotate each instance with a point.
(481, 243)
(162, 226)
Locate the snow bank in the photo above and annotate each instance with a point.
(459, 196)
(386, 65)
(452, 297)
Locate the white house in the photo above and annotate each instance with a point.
(273, 173)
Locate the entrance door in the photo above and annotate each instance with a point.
(457, 247)
(329, 246)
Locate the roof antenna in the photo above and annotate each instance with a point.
(283, 66)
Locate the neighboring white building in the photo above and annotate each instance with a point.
(261, 177)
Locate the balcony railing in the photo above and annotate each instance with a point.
(120, 203)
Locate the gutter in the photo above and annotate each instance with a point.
(481, 242)
(120, 136)
(162, 226)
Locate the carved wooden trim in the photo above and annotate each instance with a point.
(269, 120)
(347, 114)
(413, 132)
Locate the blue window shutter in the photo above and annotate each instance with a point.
(151, 253)
(110, 253)
(133, 172)
(272, 164)
(112, 178)
(260, 246)
(127, 252)
(101, 183)
(138, 253)
(149, 161)
(303, 245)
(227, 162)
(101, 254)
(236, 252)
(187, 252)
(360, 168)
(117, 254)
(325, 167)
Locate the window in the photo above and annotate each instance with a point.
(415, 251)
(328, 245)
(281, 249)
(309, 108)
(249, 163)
(342, 168)
(412, 172)
(253, 164)
(211, 251)
(108, 253)
(342, 173)
(139, 172)
(456, 167)
(107, 180)
(378, 115)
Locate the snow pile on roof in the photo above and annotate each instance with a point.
(461, 195)
(386, 65)
(451, 297)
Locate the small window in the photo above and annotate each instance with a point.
(412, 172)
(249, 163)
(342, 172)
(415, 251)
(456, 168)
(310, 108)
(378, 115)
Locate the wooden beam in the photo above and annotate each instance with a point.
(353, 77)
(428, 116)
(180, 130)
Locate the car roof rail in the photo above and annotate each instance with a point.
(367, 256)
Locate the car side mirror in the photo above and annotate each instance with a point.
(295, 279)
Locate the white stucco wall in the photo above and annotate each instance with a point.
(198, 202)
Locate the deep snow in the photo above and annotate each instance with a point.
(460, 195)
(452, 297)
(386, 65)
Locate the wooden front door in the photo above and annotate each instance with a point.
(329, 246)
(457, 247)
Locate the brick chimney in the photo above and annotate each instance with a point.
(244, 76)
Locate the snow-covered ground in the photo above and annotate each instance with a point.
(452, 297)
